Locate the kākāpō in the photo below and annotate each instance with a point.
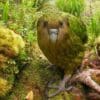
(61, 37)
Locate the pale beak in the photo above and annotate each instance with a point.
(53, 33)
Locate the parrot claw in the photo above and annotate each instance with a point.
(84, 77)
(60, 88)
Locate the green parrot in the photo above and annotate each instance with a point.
(61, 37)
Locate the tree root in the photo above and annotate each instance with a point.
(85, 78)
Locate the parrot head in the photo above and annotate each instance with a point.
(54, 26)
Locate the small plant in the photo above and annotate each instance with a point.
(94, 26)
(5, 11)
(74, 7)
(31, 37)
(38, 3)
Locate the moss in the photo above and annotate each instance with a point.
(10, 42)
(8, 69)
(35, 78)
(4, 87)
(11, 45)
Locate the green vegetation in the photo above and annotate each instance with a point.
(4, 87)
(93, 27)
(11, 44)
(74, 7)
(5, 11)
(22, 65)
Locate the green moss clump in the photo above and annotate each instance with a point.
(4, 87)
(10, 43)
(8, 70)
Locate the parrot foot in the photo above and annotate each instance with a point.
(60, 88)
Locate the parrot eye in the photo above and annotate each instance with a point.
(61, 23)
(45, 23)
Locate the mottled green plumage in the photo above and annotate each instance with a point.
(68, 50)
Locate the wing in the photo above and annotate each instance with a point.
(77, 27)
